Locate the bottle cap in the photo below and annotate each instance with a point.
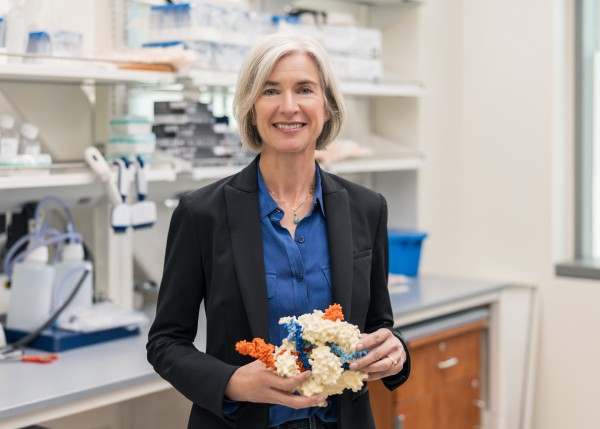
(39, 254)
(29, 131)
(6, 122)
(72, 252)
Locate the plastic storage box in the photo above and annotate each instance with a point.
(405, 251)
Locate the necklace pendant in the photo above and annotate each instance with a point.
(296, 220)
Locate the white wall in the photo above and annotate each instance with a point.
(496, 137)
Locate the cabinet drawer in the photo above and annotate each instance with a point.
(441, 359)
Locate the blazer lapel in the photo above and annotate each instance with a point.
(243, 219)
(339, 233)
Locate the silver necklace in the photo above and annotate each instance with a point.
(296, 218)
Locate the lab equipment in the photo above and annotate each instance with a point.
(67, 273)
(98, 164)
(143, 212)
(405, 251)
(129, 146)
(102, 316)
(29, 140)
(2, 32)
(31, 291)
(120, 217)
(2, 336)
(130, 125)
(9, 139)
(31, 273)
(56, 340)
(45, 358)
(117, 192)
(38, 43)
(62, 44)
(20, 356)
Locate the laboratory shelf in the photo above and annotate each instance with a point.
(378, 2)
(45, 177)
(366, 89)
(67, 174)
(81, 73)
(375, 164)
(214, 172)
(378, 162)
(387, 155)
(202, 34)
(405, 88)
(201, 77)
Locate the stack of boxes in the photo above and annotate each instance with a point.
(189, 131)
(219, 35)
(355, 52)
(130, 137)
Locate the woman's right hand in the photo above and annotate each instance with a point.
(254, 382)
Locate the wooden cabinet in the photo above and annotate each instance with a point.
(443, 390)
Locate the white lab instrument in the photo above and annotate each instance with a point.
(100, 317)
(98, 164)
(31, 273)
(143, 212)
(29, 140)
(9, 139)
(2, 337)
(120, 218)
(117, 192)
(31, 291)
(67, 274)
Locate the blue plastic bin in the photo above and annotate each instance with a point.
(405, 251)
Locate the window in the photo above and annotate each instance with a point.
(587, 141)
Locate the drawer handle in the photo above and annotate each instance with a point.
(399, 421)
(445, 364)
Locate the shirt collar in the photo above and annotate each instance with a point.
(268, 204)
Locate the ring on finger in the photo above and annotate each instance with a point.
(394, 361)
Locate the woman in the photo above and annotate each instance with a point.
(280, 238)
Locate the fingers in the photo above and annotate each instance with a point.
(386, 354)
(255, 383)
(297, 401)
(290, 384)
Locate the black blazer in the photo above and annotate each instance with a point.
(214, 254)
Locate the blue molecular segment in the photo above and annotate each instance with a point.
(346, 358)
(295, 335)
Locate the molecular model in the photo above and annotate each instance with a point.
(320, 342)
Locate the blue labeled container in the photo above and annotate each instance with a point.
(405, 251)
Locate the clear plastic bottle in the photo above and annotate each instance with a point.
(29, 140)
(9, 139)
(31, 291)
(68, 272)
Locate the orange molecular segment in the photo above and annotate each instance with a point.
(299, 363)
(258, 349)
(333, 313)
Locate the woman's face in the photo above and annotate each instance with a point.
(290, 111)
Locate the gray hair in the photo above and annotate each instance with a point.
(255, 71)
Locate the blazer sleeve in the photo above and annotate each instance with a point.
(380, 313)
(202, 378)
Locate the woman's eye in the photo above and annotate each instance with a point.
(270, 91)
(305, 91)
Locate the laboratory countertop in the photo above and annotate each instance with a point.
(117, 365)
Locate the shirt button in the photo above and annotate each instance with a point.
(301, 239)
(299, 277)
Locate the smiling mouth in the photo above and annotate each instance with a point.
(289, 126)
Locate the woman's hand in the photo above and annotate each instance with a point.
(386, 354)
(254, 382)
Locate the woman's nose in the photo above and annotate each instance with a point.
(289, 104)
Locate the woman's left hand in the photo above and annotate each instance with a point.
(386, 354)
